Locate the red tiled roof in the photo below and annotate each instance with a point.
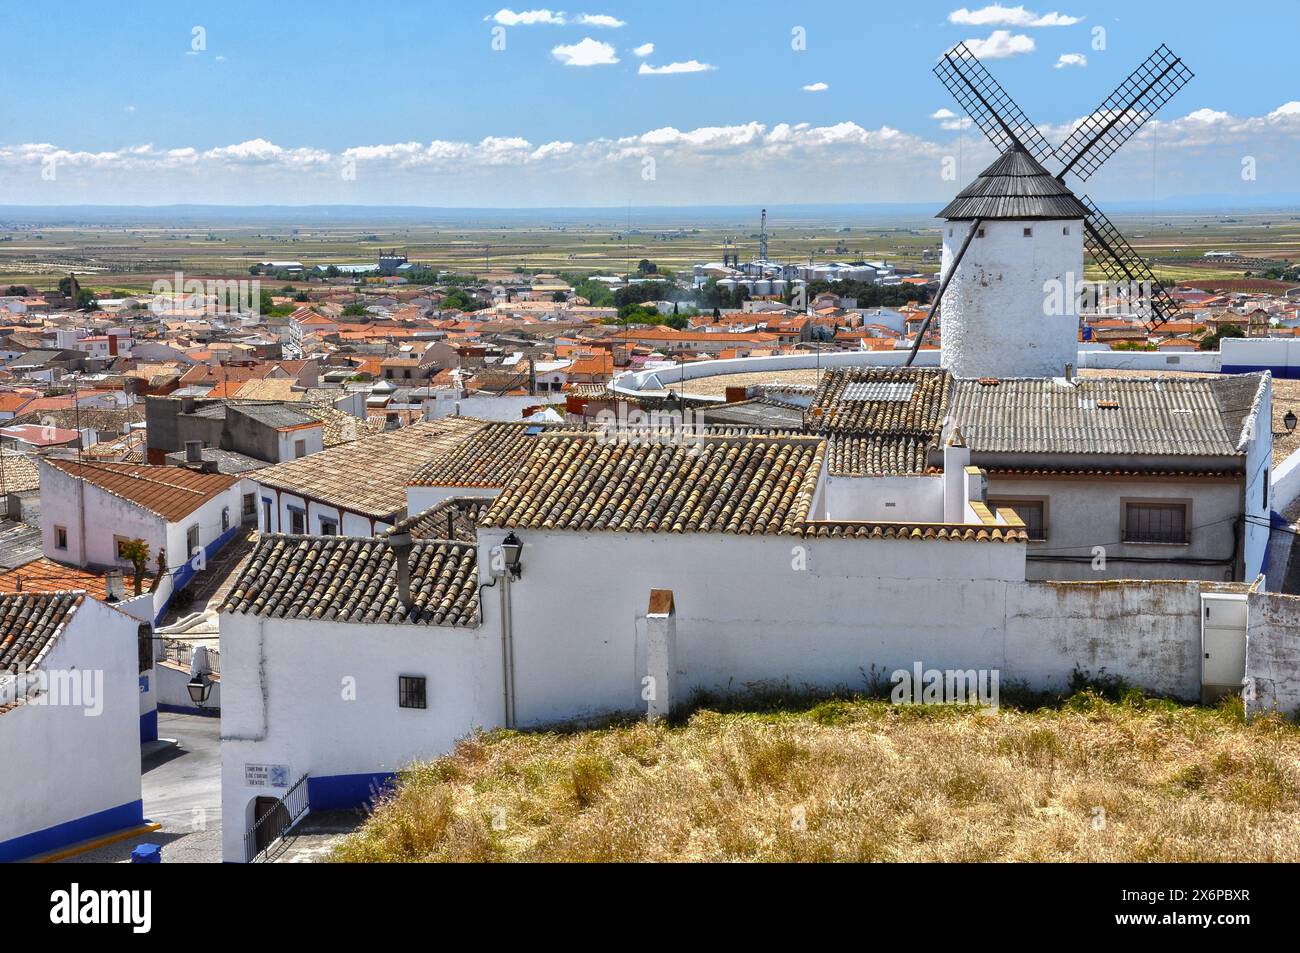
(171, 492)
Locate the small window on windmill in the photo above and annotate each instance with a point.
(1029, 233)
(900, 391)
(980, 233)
(950, 233)
(1065, 230)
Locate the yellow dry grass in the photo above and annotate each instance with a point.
(861, 780)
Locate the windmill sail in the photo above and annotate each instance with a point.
(986, 102)
(1124, 266)
(1123, 113)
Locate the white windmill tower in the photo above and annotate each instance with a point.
(1027, 236)
(1017, 230)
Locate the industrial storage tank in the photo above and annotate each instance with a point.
(762, 287)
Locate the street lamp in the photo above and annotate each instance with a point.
(1289, 420)
(200, 687)
(512, 548)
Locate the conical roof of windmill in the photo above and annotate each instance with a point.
(1016, 186)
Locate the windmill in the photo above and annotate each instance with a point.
(1093, 141)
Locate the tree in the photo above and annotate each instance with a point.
(355, 311)
(137, 552)
(1211, 341)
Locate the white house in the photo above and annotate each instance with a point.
(89, 510)
(69, 722)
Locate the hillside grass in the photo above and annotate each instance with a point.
(1085, 778)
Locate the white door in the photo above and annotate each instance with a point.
(1223, 642)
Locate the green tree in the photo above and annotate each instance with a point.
(136, 551)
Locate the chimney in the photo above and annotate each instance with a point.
(956, 457)
(115, 585)
(193, 451)
(14, 507)
(1069, 372)
(187, 405)
(401, 546)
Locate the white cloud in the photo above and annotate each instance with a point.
(998, 15)
(588, 52)
(689, 66)
(508, 17)
(815, 88)
(1000, 44)
(130, 109)
(645, 49)
(600, 19)
(787, 161)
(1071, 59)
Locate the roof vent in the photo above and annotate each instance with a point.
(1107, 405)
(989, 382)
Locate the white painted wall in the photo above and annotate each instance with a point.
(322, 698)
(313, 439)
(64, 764)
(993, 315)
(507, 409)
(283, 502)
(1273, 653)
(421, 498)
(884, 498)
(1258, 491)
(109, 516)
(1286, 482)
(745, 617)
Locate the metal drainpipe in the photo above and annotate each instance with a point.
(507, 652)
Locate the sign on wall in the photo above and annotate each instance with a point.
(266, 775)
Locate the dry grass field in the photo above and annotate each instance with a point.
(1086, 779)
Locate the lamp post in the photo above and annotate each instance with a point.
(1289, 420)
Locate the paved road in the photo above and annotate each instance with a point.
(182, 791)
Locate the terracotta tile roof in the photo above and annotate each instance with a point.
(29, 624)
(454, 519)
(336, 578)
(170, 492)
(339, 425)
(370, 475)
(743, 485)
(12, 403)
(956, 533)
(881, 400)
(489, 458)
(877, 454)
(20, 472)
(45, 575)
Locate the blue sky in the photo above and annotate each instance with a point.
(415, 103)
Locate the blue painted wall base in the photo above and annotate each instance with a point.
(339, 792)
(71, 832)
(149, 726)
